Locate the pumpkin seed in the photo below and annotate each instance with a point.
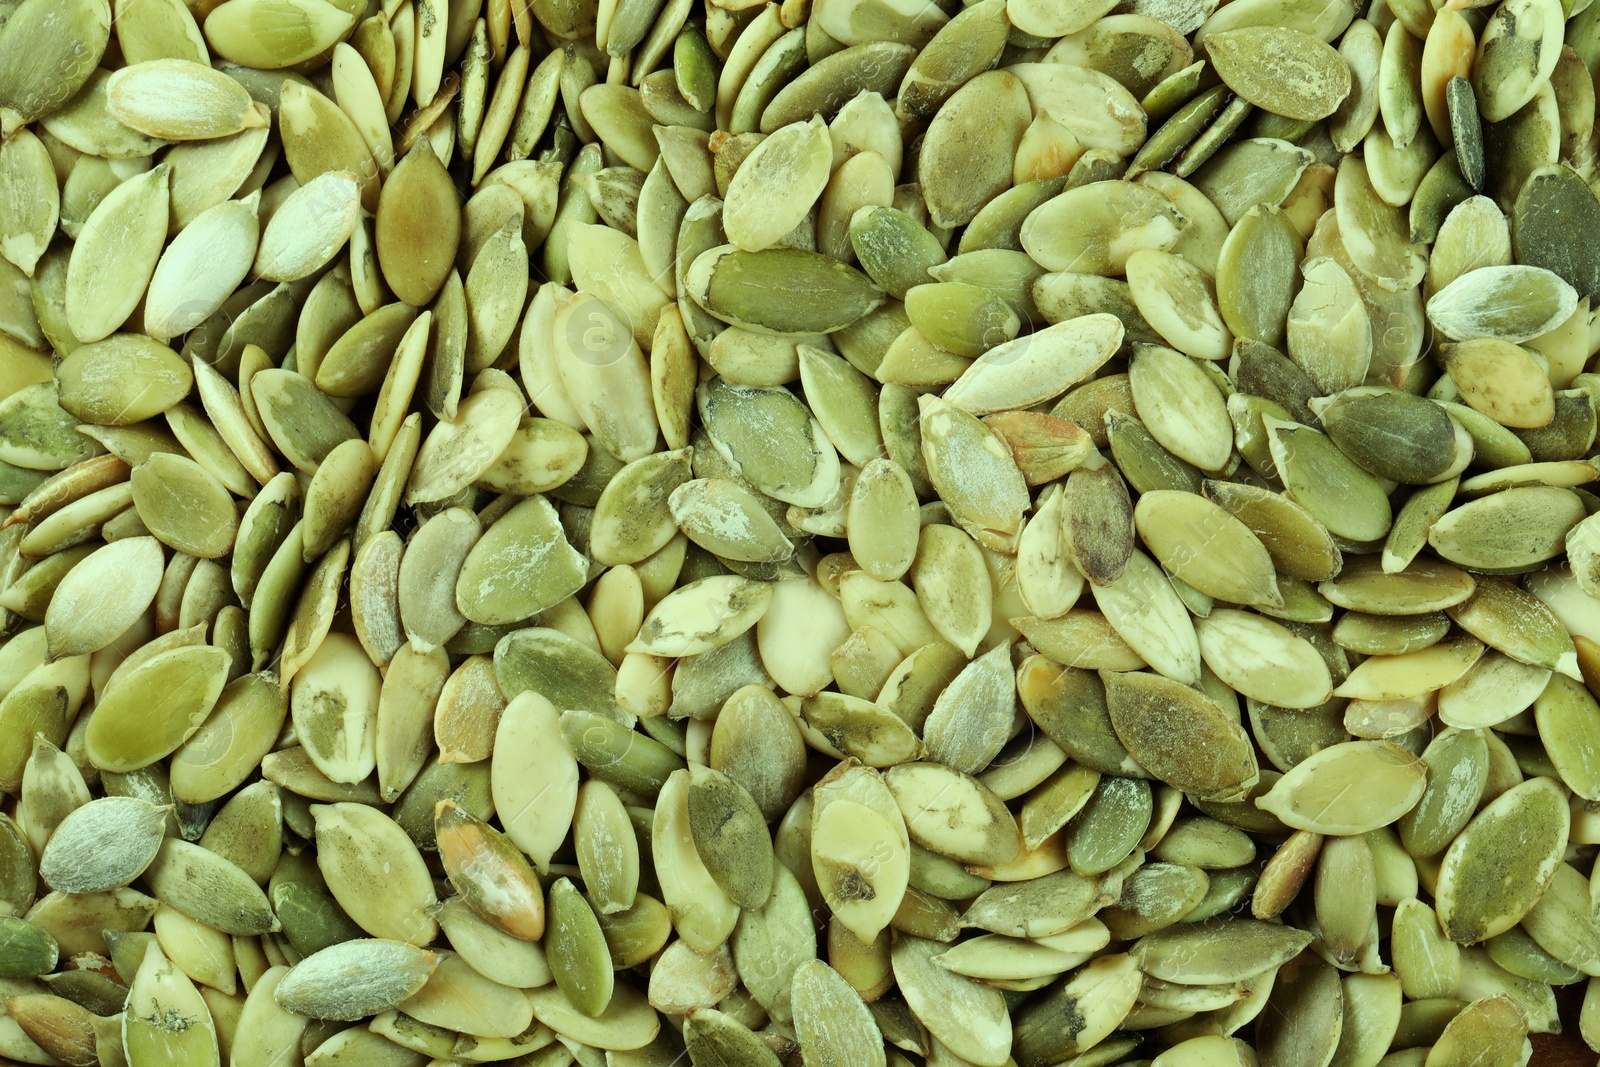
(933, 266)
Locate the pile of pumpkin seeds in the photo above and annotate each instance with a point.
(854, 533)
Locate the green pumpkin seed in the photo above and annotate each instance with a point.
(830, 1018)
(579, 960)
(1474, 904)
(166, 1016)
(1312, 80)
(48, 57)
(80, 857)
(1094, 228)
(1136, 704)
(355, 979)
(1548, 194)
(1512, 303)
(1514, 57)
(184, 682)
(1507, 530)
(1317, 475)
(209, 889)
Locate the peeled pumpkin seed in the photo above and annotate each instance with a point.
(179, 100)
(1473, 906)
(125, 229)
(1085, 266)
(1139, 704)
(80, 861)
(1391, 782)
(1310, 79)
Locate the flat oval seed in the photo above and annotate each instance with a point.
(533, 776)
(831, 1021)
(115, 255)
(1212, 953)
(826, 86)
(184, 505)
(1503, 381)
(968, 1017)
(702, 615)
(1110, 825)
(103, 595)
(974, 473)
(155, 707)
(1328, 330)
(1207, 547)
(863, 892)
(1562, 924)
(180, 100)
(168, 1018)
(882, 521)
(570, 674)
(715, 1037)
(1509, 530)
(967, 725)
(702, 913)
(1097, 227)
(1458, 765)
(731, 837)
(1145, 610)
(334, 705)
(48, 55)
(209, 888)
(629, 1022)
(723, 518)
(1319, 477)
(1540, 235)
(1517, 53)
(121, 380)
(1422, 586)
(803, 470)
(608, 850)
(1179, 301)
(632, 519)
(489, 872)
(1496, 870)
(1375, 238)
(1513, 303)
(30, 950)
(310, 227)
(774, 190)
(1496, 688)
(355, 979)
(1348, 788)
(103, 845)
(1142, 709)
(1039, 367)
(1181, 406)
(1080, 1014)
(1516, 623)
(418, 226)
(1566, 717)
(962, 165)
(233, 740)
(521, 566)
(576, 949)
(953, 814)
(761, 290)
(1308, 80)
(359, 847)
(36, 433)
(1262, 660)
